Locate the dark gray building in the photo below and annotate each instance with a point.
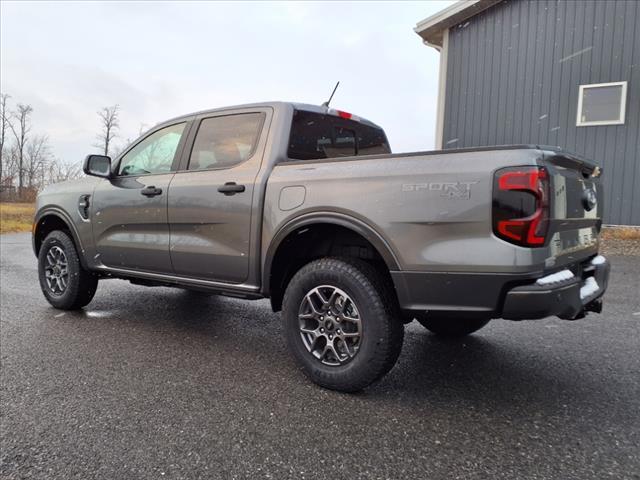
(552, 72)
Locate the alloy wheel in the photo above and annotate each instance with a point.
(330, 325)
(56, 270)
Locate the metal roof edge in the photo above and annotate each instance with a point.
(431, 28)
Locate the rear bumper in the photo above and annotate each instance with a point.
(510, 296)
(569, 298)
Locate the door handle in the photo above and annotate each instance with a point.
(231, 188)
(151, 191)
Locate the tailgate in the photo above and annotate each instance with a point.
(575, 206)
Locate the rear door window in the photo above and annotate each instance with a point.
(316, 136)
(222, 142)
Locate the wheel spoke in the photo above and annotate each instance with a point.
(312, 305)
(335, 352)
(325, 350)
(349, 334)
(350, 352)
(335, 296)
(329, 348)
(323, 299)
(347, 318)
(339, 306)
(313, 343)
(329, 302)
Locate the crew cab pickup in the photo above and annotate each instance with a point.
(307, 206)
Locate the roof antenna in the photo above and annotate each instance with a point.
(326, 104)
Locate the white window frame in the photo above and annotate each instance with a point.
(623, 104)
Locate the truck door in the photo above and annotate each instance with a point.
(129, 211)
(211, 197)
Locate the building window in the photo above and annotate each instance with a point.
(602, 104)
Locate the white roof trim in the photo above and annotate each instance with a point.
(444, 14)
(431, 28)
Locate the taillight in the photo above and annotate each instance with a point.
(521, 205)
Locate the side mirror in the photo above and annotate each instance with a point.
(97, 165)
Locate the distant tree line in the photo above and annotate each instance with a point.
(27, 162)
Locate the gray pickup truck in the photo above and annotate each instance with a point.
(307, 206)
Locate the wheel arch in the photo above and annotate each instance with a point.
(274, 279)
(49, 219)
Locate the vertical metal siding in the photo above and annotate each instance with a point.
(513, 75)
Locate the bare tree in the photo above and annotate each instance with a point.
(11, 164)
(58, 171)
(36, 157)
(4, 124)
(119, 148)
(21, 126)
(110, 123)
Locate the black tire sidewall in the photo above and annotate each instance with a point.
(69, 296)
(351, 376)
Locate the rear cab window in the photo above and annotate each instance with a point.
(317, 136)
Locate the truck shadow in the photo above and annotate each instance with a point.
(480, 370)
(486, 373)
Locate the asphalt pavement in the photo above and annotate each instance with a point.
(162, 383)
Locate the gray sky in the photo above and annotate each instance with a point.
(162, 59)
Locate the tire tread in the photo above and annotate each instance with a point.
(384, 305)
(82, 284)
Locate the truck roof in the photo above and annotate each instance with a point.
(277, 105)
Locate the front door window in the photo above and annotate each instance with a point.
(154, 154)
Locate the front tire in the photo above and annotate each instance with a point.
(63, 281)
(452, 327)
(342, 323)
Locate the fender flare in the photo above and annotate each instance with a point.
(66, 219)
(339, 219)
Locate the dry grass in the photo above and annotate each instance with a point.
(620, 241)
(16, 217)
(621, 233)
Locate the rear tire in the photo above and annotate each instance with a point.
(452, 327)
(342, 323)
(64, 283)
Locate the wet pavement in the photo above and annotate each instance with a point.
(162, 383)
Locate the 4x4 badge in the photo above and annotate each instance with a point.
(446, 189)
